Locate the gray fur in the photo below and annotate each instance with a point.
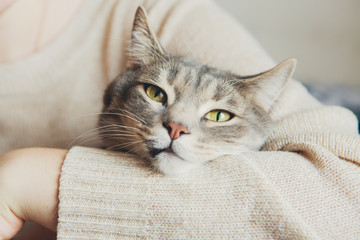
(133, 122)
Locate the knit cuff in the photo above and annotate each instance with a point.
(96, 196)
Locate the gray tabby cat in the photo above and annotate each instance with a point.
(178, 113)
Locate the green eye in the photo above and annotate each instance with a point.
(218, 116)
(155, 93)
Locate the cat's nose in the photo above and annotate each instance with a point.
(175, 130)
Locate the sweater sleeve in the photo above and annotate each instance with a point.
(255, 195)
(259, 195)
(108, 195)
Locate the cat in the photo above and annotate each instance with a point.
(177, 113)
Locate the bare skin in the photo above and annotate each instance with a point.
(29, 177)
(29, 182)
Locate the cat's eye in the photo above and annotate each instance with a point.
(219, 116)
(155, 93)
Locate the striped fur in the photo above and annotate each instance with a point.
(133, 122)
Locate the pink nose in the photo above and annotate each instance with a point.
(175, 130)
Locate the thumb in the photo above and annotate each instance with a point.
(10, 224)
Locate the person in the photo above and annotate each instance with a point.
(304, 184)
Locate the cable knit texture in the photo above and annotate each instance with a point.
(304, 184)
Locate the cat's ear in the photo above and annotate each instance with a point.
(265, 88)
(145, 46)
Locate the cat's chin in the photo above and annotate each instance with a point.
(170, 164)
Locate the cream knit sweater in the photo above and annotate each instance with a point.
(304, 185)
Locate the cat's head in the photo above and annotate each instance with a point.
(178, 113)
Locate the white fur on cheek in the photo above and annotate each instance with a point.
(184, 148)
(160, 139)
(169, 164)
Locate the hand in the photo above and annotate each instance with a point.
(29, 182)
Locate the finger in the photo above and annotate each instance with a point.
(10, 224)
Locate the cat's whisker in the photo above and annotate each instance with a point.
(137, 117)
(120, 126)
(117, 103)
(87, 132)
(108, 113)
(90, 141)
(123, 115)
(97, 130)
(84, 115)
(116, 131)
(126, 113)
(139, 148)
(96, 139)
(127, 116)
(123, 145)
(116, 135)
(133, 149)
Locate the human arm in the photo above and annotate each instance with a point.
(29, 188)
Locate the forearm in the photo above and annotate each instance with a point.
(29, 181)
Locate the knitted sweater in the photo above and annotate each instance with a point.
(304, 184)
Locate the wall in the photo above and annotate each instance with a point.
(324, 35)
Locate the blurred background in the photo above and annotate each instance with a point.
(324, 36)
